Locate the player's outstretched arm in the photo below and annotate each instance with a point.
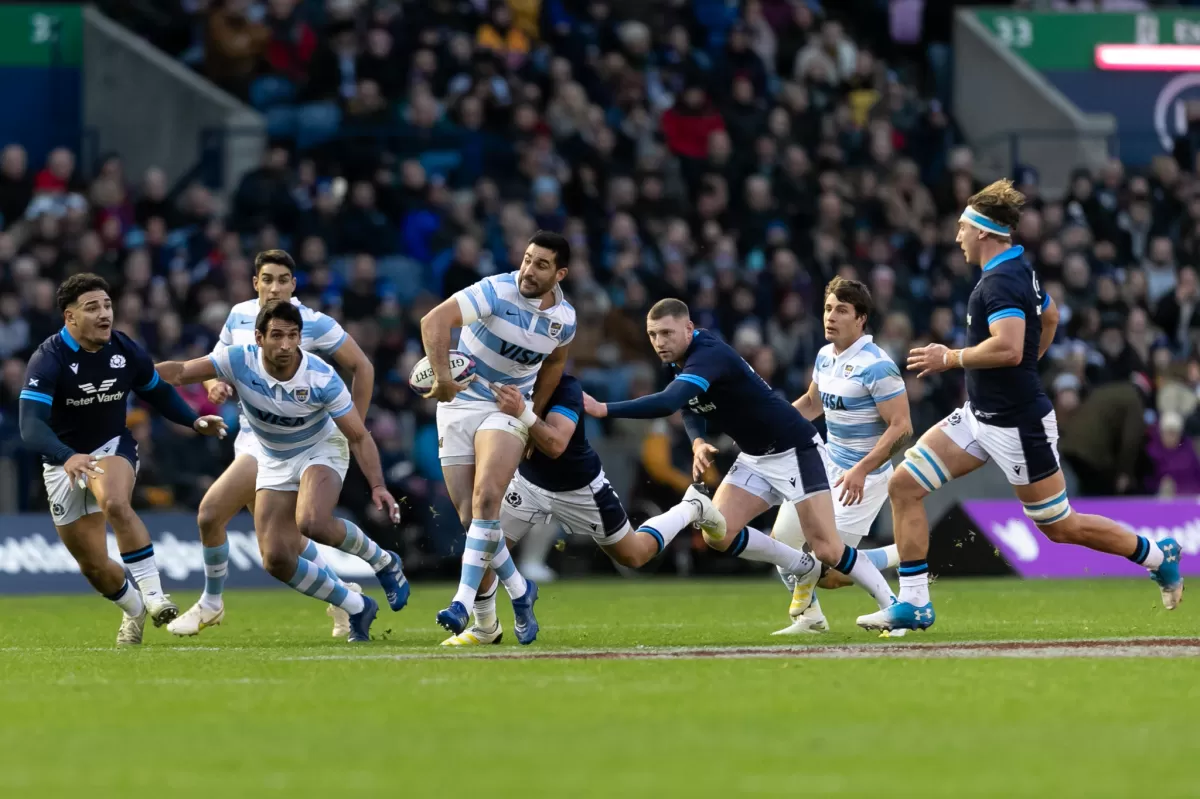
(351, 358)
(653, 406)
(185, 373)
(163, 397)
(809, 404)
(367, 455)
(1049, 325)
(550, 435)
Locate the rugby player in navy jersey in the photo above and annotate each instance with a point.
(780, 461)
(1007, 418)
(72, 413)
(563, 481)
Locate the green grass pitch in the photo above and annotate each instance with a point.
(268, 705)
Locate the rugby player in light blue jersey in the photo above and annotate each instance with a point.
(517, 327)
(307, 426)
(274, 279)
(1007, 419)
(858, 389)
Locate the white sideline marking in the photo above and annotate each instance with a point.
(966, 650)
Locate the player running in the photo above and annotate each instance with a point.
(274, 279)
(517, 326)
(72, 413)
(296, 405)
(563, 481)
(1007, 417)
(780, 460)
(860, 392)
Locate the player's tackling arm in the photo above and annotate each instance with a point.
(1049, 325)
(653, 406)
(809, 403)
(185, 373)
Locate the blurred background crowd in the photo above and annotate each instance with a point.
(734, 154)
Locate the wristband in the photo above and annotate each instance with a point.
(528, 417)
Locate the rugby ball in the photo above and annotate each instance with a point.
(420, 379)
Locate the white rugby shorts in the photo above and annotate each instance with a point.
(1026, 453)
(459, 421)
(284, 475)
(69, 502)
(593, 510)
(792, 476)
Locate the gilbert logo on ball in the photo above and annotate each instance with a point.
(420, 380)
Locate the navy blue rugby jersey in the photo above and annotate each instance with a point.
(579, 464)
(1007, 396)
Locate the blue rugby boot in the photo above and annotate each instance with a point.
(454, 618)
(1170, 581)
(524, 622)
(899, 616)
(360, 623)
(395, 584)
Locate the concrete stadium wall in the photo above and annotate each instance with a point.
(997, 95)
(152, 109)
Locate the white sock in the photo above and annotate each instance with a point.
(128, 599)
(142, 566)
(893, 556)
(485, 608)
(506, 570)
(352, 602)
(752, 544)
(862, 571)
(914, 589)
(1154, 557)
(484, 537)
(665, 526)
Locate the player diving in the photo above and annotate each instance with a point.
(1007, 418)
(780, 460)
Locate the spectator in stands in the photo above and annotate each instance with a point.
(233, 46)
(1175, 467)
(1104, 436)
(16, 186)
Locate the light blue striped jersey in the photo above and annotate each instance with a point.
(288, 418)
(320, 333)
(510, 335)
(850, 384)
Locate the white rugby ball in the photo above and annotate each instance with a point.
(420, 379)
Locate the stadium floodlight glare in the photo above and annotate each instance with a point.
(1148, 57)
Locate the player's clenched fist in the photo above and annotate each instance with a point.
(219, 392)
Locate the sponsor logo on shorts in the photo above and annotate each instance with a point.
(952, 420)
(57, 510)
(1017, 469)
(514, 498)
(792, 480)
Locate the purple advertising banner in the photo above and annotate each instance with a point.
(1031, 554)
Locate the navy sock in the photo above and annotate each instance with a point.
(1143, 549)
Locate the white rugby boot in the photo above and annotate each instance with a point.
(341, 619)
(476, 636)
(711, 521)
(131, 629)
(809, 620)
(197, 618)
(160, 608)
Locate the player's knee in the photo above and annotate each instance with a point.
(314, 525)
(828, 552)
(1054, 518)
(117, 510)
(921, 473)
(485, 502)
(93, 568)
(279, 563)
(210, 519)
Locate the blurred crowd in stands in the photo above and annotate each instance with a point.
(734, 154)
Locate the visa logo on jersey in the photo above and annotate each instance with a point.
(521, 355)
(832, 402)
(280, 421)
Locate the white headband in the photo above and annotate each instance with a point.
(986, 224)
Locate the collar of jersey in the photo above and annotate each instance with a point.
(854, 348)
(691, 344)
(287, 384)
(1007, 255)
(68, 339)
